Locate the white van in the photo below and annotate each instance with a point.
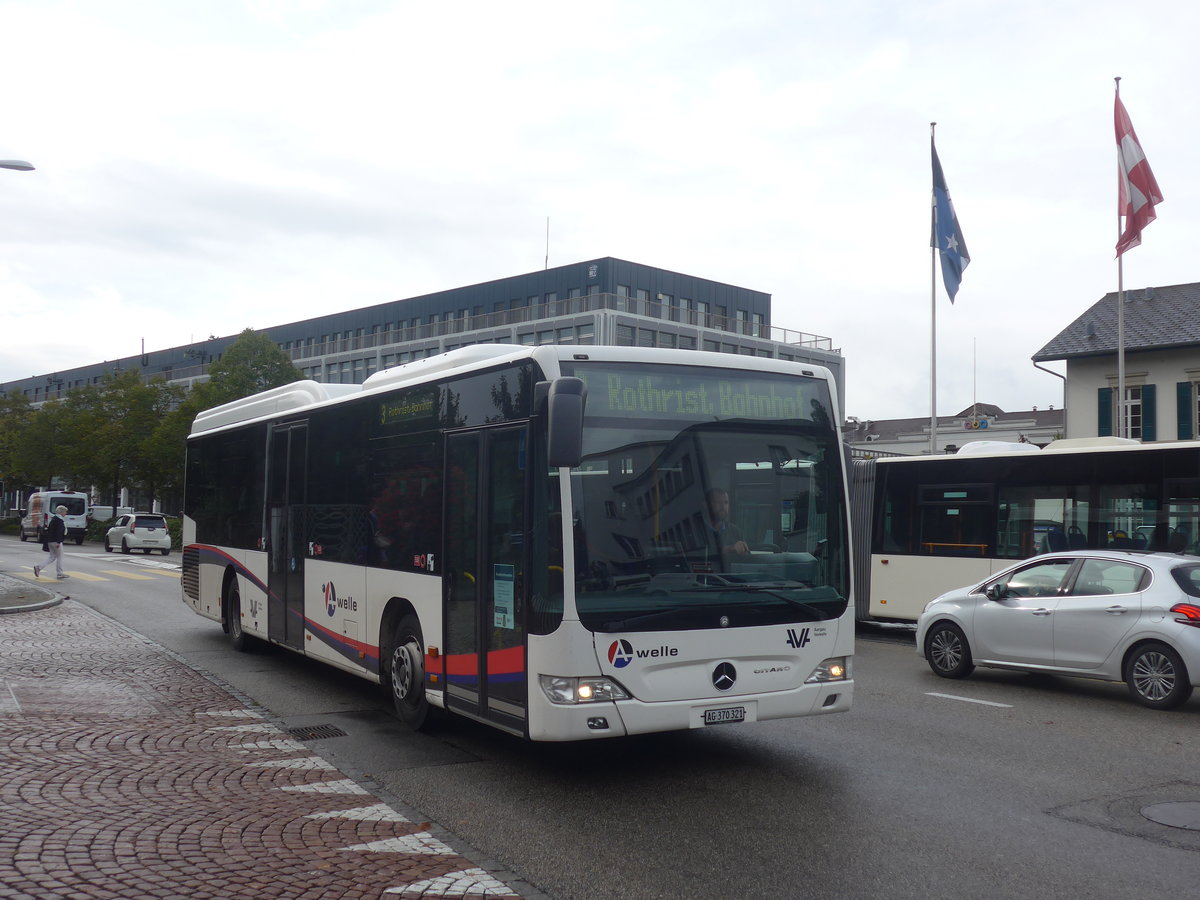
(42, 505)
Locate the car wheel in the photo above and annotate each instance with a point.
(164, 552)
(146, 550)
(238, 638)
(1157, 677)
(79, 541)
(107, 545)
(124, 545)
(947, 651)
(24, 536)
(407, 674)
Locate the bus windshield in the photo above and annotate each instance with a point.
(685, 518)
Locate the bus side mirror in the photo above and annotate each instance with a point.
(565, 421)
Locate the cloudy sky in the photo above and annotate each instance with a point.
(207, 167)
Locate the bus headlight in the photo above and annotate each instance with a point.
(833, 669)
(566, 690)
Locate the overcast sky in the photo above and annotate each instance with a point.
(207, 167)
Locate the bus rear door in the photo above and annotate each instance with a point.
(288, 462)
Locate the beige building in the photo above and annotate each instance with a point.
(1162, 365)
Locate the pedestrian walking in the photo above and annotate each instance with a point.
(56, 532)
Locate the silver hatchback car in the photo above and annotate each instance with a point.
(1106, 614)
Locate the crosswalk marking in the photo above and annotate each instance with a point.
(87, 576)
(132, 576)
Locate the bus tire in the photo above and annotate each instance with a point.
(238, 639)
(1157, 677)
(406, 673)
(947, 651)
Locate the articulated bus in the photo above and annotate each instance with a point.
(935, 523)
(519, 535)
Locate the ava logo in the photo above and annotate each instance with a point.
(620, 654)
(798, 640)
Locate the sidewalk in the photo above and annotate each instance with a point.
(126, 774)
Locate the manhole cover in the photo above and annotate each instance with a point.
(315, 732)
(1184, 814)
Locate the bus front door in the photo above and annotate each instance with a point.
(484, 575)
(286, 531)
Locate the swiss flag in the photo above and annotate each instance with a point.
(1138, 191)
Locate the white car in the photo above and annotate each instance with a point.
(139, 531)
(1106, 614)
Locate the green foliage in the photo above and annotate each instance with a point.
(124, 432)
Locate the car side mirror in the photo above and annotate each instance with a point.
(997, 591)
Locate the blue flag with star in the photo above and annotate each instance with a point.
(947, 237)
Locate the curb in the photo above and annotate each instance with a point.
(17, 596)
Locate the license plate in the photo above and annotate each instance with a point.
(724, 715)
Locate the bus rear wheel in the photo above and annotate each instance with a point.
(407, 674)
(238, 639)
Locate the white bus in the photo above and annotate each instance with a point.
(941, 522)
(516, 535)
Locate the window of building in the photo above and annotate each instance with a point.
(1138, 415)
(625, 335)
(759, 323)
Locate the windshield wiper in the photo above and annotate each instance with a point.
(817, 614)
(623, 624)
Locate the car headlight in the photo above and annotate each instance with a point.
(566, 690)
(833, 669)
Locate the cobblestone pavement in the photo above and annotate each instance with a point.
(125, 774)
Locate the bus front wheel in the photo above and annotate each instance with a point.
(408, 674)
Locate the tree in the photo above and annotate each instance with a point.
(117, 418)
(251, 364)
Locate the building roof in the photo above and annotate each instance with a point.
(890, 430)
(1155, 318)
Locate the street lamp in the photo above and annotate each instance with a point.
(19, 164)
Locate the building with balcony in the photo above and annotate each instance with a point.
(600, 301)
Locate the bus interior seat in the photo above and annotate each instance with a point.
(1076, 539)
(1055, 539)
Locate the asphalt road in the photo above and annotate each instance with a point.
(1001, 785)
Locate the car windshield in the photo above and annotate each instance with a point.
(681, 525)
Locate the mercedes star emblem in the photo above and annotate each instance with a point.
(724, 676)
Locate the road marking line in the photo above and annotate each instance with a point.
(969, 700)
(80, 575)
(132, 576)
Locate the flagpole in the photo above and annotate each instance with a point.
(932, 338)
(1120, 429)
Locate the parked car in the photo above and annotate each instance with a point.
(1107, 614)
(139, 531)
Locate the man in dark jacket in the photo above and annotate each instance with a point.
(56, 532)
